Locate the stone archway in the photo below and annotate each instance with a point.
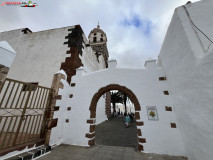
(93, 105)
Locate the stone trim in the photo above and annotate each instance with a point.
(93, 114)
(140, 123)
(137, 115)
(72, 84)
(108, 104)
(139, 132)
(173, 125)
(90, 121)
(61, 85)
(75, 43)
(56, 108)
(140, 147)
(142, 140)
(91, 142)
(58, 97)
(53, 123)
(162, 78)
(92, 128)
(88, 135)
(167, 108)
(166, 92)
(56, 84)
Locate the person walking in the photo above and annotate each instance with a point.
(127, 120)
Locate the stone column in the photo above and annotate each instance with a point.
(3, 74)
(108, 104)
(56, 84)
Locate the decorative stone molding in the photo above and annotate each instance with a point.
(56, 108)
(173, 125)
(92, 128)
(139, 132)
(166, 92)
(142, 140)
(75, 43)
(162, 78)
(167, 108)
(137, 115)
(72, 84)
(91, 142)
(88, 135)
(56, 84)
(108, 104)
(139, 123)
(91, 121)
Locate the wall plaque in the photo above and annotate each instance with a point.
(152, 113)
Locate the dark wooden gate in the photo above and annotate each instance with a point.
(23, 109)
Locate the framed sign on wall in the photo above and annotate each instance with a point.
(152, 113)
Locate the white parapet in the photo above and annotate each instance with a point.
(112, 64)
(80, 71)
(151, 64)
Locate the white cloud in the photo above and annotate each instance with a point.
(127, 44)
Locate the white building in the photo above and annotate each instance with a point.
(177, 87)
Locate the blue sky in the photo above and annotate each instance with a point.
(135, 29)
(144, 25)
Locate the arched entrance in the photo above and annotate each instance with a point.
(93, 106)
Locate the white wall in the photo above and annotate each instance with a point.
(144, 83)
(189, 70)
(100, 111)
(7, 54)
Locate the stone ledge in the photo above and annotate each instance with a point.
(35, 153)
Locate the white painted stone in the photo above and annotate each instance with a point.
(112, 64)
(7, 54)
(100, 110)
(189, 72)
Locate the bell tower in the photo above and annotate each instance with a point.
(98, 42)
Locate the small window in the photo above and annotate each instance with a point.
(94, 39)
(30, 86)
(102, 40)
(94, 34)
(166, 92)
(101, 35)
(162, 78)
(167, 108)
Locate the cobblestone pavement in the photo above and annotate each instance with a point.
(98, 152)
(114, 133)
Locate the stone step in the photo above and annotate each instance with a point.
(32, 154)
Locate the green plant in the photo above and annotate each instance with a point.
(152, 113)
